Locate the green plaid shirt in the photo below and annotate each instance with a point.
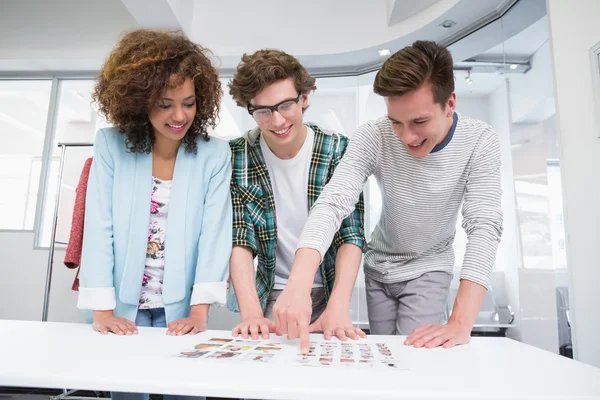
(254, 222)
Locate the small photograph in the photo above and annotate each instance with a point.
(193, 354)
(311, 352)
(248, 342)
(207, 346)
(236, 348)
(347, 357)
(367, 362)
(327, 354)
(220, 340)
(383, 349)
(223, 355)
(331, 345)
(259, 358)
(306, 359)
(274, 344)
(267, 349)
(325, 361)
(346, 361)
(366, 356)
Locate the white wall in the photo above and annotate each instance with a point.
(24, 280)
(574, 29)
(474, 107)
(23, 277)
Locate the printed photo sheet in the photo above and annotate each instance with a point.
(325, 354)
(240, 350)
(328, 354)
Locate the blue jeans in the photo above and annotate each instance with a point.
(154, 317)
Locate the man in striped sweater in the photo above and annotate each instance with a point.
(427, 160)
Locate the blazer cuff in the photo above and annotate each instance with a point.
(209, 293)
(96, 298)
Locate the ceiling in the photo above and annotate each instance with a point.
(343, 37)
(482, 84)
(520, 47)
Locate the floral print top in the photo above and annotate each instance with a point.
(151, 294)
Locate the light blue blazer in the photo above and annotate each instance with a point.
(117, 214)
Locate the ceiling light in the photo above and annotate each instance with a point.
(384, 52)
(513, 66)
(468, 79)
(447, 24)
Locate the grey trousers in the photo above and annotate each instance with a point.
(398, 308)
(318, 303)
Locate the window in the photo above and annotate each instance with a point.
(77, 120)
(233, 120)
(23, 114)
(333, 105)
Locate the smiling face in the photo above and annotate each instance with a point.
(283, 129)
(418, 121)
(174, 112)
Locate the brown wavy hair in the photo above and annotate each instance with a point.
(141, 66)
(263, 68)
(408, 69)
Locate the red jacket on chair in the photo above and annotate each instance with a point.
(73, 252)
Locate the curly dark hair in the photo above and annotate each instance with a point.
(264, 67)
(141, 66)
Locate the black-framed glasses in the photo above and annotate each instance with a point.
(285, 108)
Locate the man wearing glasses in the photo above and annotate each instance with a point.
(279, 170)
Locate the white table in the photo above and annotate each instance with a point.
(57, 355)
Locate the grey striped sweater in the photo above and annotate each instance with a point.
(421, 200)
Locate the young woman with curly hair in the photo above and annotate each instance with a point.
(156, 175)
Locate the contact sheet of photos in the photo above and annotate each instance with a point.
(325, 354)
(253, 351)
(349, 354)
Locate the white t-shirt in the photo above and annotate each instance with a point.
(289, 180)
